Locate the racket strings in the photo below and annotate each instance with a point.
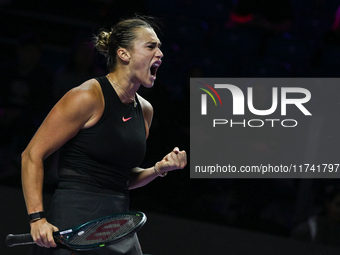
(105, 231)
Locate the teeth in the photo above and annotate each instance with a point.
(155, 64)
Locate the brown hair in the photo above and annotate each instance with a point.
(121, 35)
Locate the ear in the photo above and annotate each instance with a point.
(123, 54)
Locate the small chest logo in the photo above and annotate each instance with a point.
(125, 120)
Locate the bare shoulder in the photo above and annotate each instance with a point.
(146, 105)
(79, 108)
(85, 100)
(90, 91)
(147, 109)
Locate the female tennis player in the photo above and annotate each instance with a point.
(101, 128)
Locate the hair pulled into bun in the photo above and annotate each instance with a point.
(123, 34)
(101, 42)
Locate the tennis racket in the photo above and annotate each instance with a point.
(93, 234)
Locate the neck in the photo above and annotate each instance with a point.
(125, 90)
(124, 82)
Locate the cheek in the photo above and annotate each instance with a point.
(140, 63)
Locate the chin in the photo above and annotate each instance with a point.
(148, 85)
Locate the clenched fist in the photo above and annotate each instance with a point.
(174, 160)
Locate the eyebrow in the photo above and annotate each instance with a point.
(155, 43)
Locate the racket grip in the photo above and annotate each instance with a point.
(20, 239)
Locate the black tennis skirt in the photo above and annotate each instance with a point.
(73, 207)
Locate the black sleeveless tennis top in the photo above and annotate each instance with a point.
(104, 154)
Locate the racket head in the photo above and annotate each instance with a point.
(103, 231)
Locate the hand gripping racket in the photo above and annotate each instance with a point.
(93, 234)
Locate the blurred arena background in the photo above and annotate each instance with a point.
(45, 49)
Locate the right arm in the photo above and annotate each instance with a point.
(79, 108)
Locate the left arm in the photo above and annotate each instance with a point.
(174, 160)
(140, 177)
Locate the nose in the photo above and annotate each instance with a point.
(159, 53)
